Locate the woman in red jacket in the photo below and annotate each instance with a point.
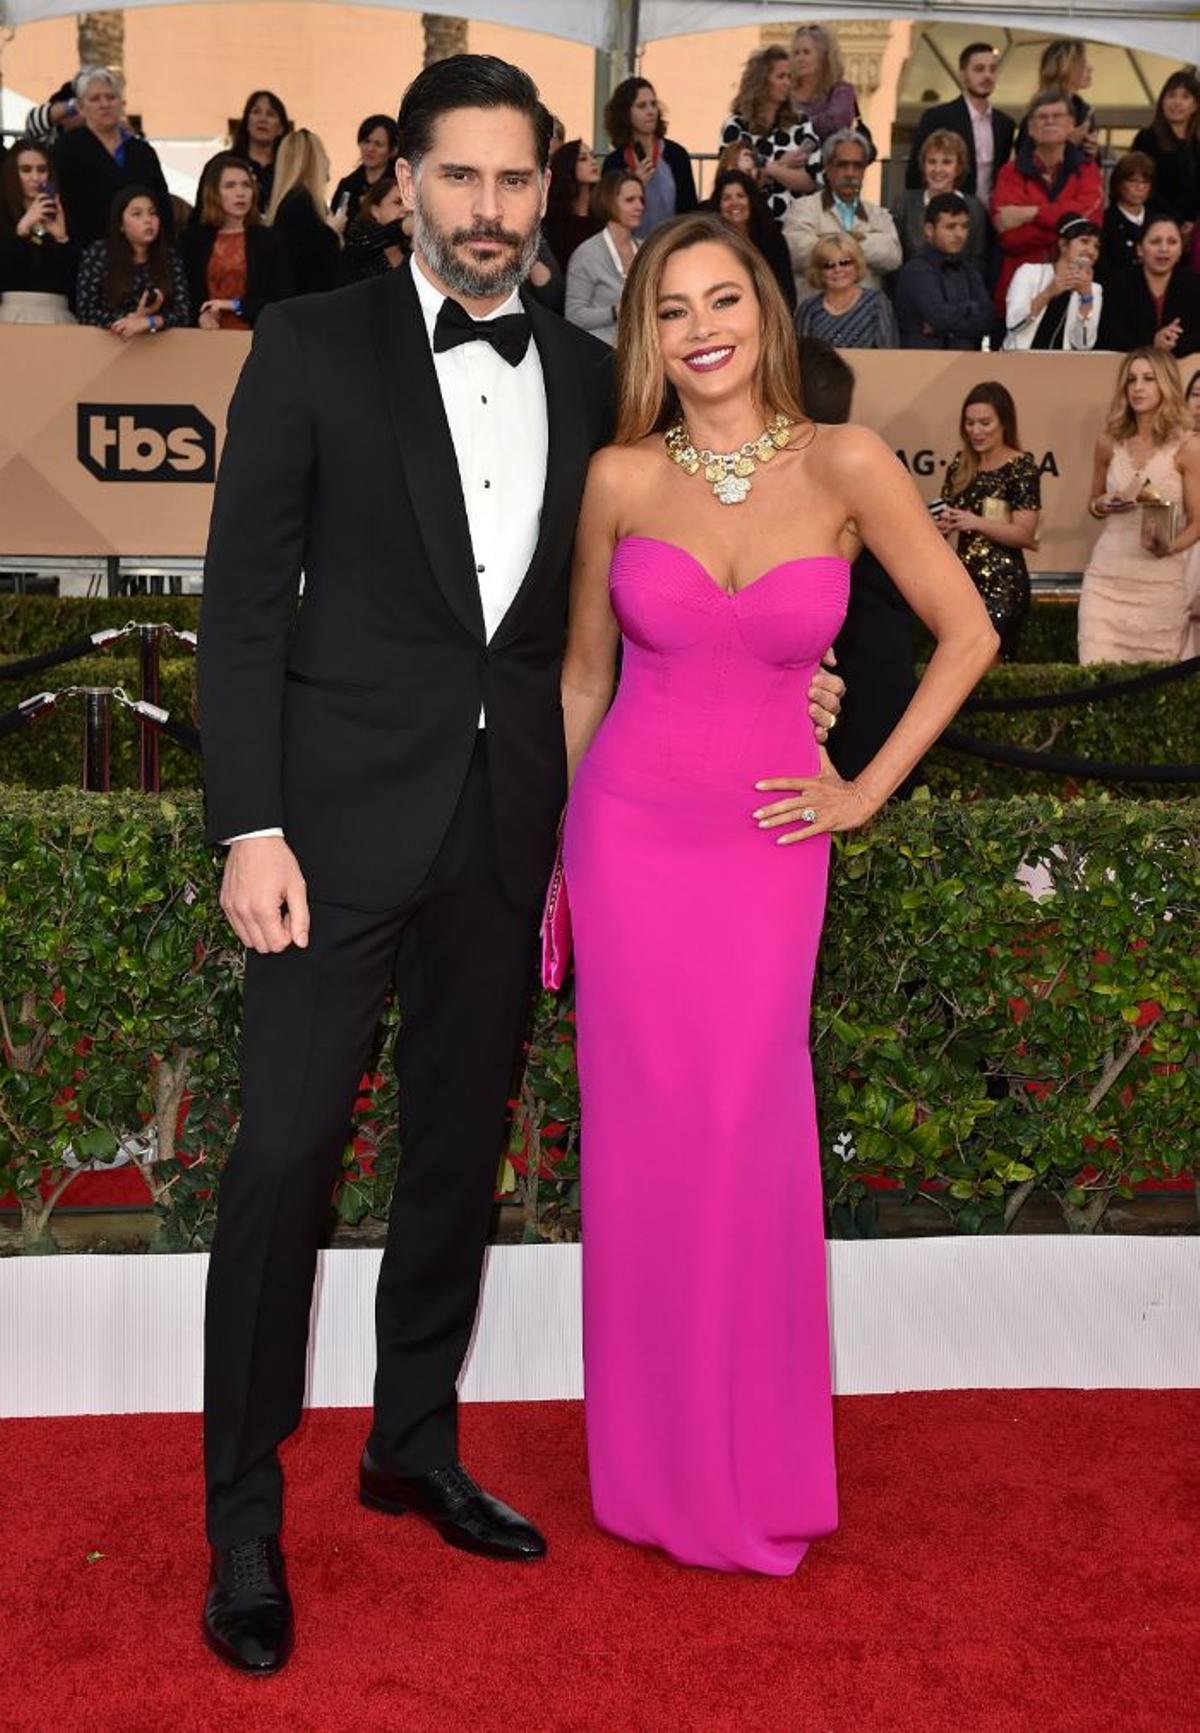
(1048, 178)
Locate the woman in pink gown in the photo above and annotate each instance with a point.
(705, 1329)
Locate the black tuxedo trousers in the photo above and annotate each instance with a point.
(460, 955)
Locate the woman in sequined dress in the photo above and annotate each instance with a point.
(993, 500)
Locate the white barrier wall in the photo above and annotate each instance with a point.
(99, 1335)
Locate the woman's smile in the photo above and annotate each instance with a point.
(708, 360)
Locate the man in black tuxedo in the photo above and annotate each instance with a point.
(875, 645)
(387, 764)
(987, 133)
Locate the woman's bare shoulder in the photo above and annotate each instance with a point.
(850, 453)
(615, 470)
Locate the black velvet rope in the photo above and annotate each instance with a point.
(1085, 694)
(47, 659)
(13, 720)
(1023, 758)
(182, 733)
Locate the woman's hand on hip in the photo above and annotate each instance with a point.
(816, 803)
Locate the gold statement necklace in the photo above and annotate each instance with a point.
(728, 471)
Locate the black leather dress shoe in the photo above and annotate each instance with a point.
(248, 1611)
(463, 1514)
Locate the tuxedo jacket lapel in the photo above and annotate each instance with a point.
(567, 455)
(426, 448)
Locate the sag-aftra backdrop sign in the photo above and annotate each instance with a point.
(111, 448)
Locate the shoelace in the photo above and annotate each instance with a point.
(251, 1563)
(456, 1483)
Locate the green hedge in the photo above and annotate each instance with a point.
(31, 624)
(48, 754)
(1050, 634)
(1158, 726)
(988, 1045)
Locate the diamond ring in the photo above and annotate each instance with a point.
(808, 814)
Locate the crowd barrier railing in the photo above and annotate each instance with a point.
(98, 701)
(154, 720)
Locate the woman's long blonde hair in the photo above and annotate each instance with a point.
(1172, 419)
(300, 161)
(832, 72)
(751, 104)
(646, 400)
(1059, 60)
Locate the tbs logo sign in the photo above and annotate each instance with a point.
(146, 442)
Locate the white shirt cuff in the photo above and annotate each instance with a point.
(243, 836)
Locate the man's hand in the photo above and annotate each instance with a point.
(825, 696)
(263, 894)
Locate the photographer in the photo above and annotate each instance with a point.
(37, 259)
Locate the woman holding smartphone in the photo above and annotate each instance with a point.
(637, 126)
(37, 259)
(1146, 492)
(993, 503)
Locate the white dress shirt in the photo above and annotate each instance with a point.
(497, 416)
(499, 427)
(985, 147)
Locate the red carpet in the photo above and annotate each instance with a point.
(1007, 1560)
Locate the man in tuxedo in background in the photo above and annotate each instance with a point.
(987, 133)
(387, 763)
(875, 645)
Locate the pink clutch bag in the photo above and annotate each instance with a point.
(556, 927)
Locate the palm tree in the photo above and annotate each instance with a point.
(100, 40)
(443, 36)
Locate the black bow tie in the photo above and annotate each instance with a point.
(508, 336)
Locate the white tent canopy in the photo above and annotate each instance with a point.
(1167, 27)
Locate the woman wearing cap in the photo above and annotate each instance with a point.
(1058, 306)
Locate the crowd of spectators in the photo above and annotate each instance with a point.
(1072, 253)
(1008, 231)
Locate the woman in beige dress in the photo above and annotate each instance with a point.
(1133, 606)
(1191, 572)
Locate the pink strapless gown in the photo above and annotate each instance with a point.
(706, 1339)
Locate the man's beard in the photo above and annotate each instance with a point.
(477, 282)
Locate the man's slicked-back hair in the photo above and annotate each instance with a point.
(469, 81)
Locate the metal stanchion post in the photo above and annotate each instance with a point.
(97, 715)
(149, 644)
